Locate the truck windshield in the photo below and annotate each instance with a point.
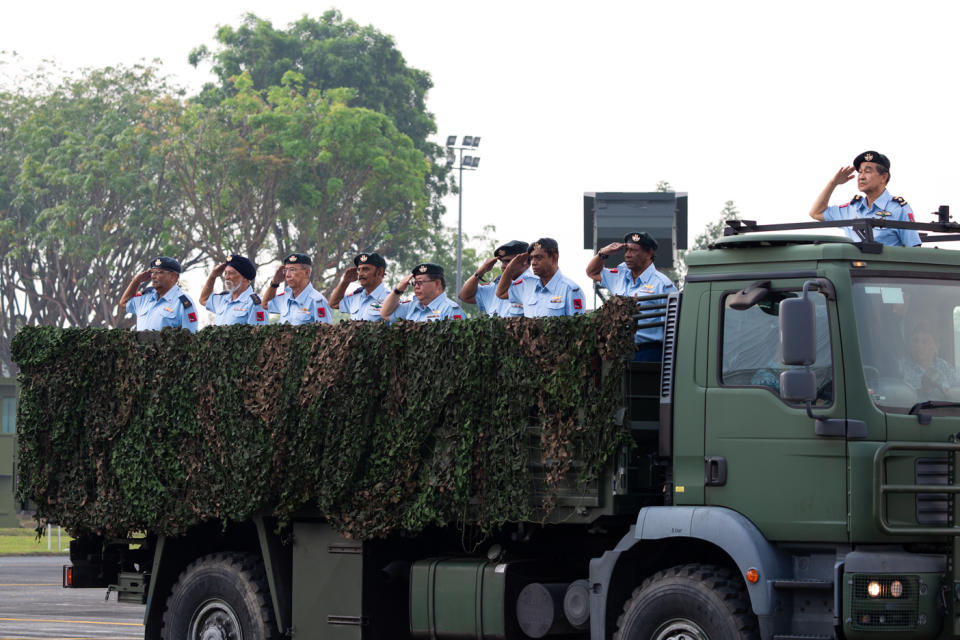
(908, 330)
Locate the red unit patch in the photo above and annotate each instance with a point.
(192, 316)
(577, 303)
(457, 317)
(321, 312)
(260, 316)
(910, 215)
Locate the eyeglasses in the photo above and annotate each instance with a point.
(420, 283)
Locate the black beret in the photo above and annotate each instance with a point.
(547, 244)
(297, 258)
(370, 258)
(165, 263)
(512, 248)
(871, 156)
(243, 266)
(641, 238)
(429, 269)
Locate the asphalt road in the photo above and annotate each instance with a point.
(33, 604)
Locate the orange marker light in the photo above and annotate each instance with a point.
(752, 576)
(858, 263)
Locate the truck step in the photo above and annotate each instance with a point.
(805, 584)
(793, 636)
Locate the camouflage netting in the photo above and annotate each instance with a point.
(380, 427)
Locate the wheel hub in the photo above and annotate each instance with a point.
(679, 629)
(215, 620)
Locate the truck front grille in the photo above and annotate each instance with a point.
(884, 613)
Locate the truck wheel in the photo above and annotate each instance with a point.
(688, 602)
(222, 596)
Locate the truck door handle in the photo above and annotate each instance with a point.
(715, 471)
(840, 428)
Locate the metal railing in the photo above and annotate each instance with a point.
(882, 489)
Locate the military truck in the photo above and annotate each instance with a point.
(791, 474)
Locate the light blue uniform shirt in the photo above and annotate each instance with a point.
(559, 297)
(364, 306)
(620, 281)
(490, 304)
(155, 313)
(309, 306)
(886, 207)
(245, 309)
(439, 308)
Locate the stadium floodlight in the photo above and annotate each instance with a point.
(451, 141)
(468, 141)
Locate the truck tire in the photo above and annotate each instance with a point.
(688, 602)
(222, 596)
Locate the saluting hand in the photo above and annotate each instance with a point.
(350, 275)
(405, 282)
(517, 266)
(142, 277)
(844, 175)
(613, 247)
(487, 265)
(281, 273)
(218, 270)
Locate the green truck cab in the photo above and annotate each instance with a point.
(792, 475)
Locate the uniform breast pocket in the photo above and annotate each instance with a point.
(514, 311)
(371, 313)
(555, 307)
(169, 318)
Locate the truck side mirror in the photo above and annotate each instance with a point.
(798, 385)
(798, 332)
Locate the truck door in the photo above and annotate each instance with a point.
(762, 456)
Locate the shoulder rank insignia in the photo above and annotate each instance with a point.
(185, 301)
(518, 281)
(256, 299)
(856, 198)
(900, 201)
(615, 270)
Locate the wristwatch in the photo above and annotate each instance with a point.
(274, 285)
(398, 292)
(602, 256)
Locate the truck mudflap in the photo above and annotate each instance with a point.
(726, 529)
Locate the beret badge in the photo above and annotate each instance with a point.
(292, 259)
(868, 157)
(537, 245)
(422, 268)
(500, 253)
(364, 258)
(636, 237)
(158, 262)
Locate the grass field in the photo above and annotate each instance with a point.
(24, 541)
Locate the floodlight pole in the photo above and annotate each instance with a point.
(460, 167)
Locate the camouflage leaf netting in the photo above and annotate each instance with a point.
(380, 427)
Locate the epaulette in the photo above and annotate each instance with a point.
(281, 294)
(900, 201)
(185, 301)
(359, 290)
(223, 293)
(256, 299)
(856, 198)
(518, 281)
(145, 291)
(615, 270)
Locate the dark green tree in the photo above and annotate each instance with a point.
(84, 196)
(710, 234)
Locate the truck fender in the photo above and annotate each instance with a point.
(728, 530)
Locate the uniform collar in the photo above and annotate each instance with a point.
(172, 294)
(378, 294)
(435, 304)
(648, 273)
(305, 295)
(554, 283)
(880, 203)
(246, 293)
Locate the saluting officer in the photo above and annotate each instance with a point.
(475, 290)
(238, 303)
(873, 174)
(164, 304)
(367, 300)
(635, 276)
(431, 304)
(299, 303)
(548, 292)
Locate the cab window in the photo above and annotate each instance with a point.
(750, 346)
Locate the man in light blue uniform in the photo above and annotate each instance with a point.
(299, 303)
(635, 276)
(549, 293)
(366, 300)
(238, 304)
(474, 290)
(164, 304)
(873, 174)
(431, 303)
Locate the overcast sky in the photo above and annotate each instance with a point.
(755, 102)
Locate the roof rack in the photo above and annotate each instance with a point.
(943, 230)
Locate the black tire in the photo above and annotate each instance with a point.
(688, 602)
(222, 595)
